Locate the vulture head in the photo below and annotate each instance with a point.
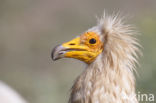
(110, 50)
(86, 48)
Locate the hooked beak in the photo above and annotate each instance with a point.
(67, 49)
(71, 49)
(58, 52)
(74, 49)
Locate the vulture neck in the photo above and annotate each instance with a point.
(105, 81)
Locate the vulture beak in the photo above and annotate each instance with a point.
(76, 49)
(73, 49)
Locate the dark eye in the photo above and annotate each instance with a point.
(92, 41)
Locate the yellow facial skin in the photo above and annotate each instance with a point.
(83, 48)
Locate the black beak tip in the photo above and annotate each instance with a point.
(53, 53)
(52, 56)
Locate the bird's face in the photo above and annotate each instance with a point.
(86, 48)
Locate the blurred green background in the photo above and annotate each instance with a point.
(29, 29)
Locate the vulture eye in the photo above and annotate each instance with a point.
(92, 41)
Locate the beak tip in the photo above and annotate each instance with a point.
(52, 57)
(55, 53)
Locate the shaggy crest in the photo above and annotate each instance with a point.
(120, 43)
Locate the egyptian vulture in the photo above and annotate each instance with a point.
(110, 50)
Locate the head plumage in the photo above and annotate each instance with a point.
(119, 38)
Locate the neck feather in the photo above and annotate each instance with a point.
(105, 80)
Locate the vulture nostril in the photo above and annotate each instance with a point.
(71, 44)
